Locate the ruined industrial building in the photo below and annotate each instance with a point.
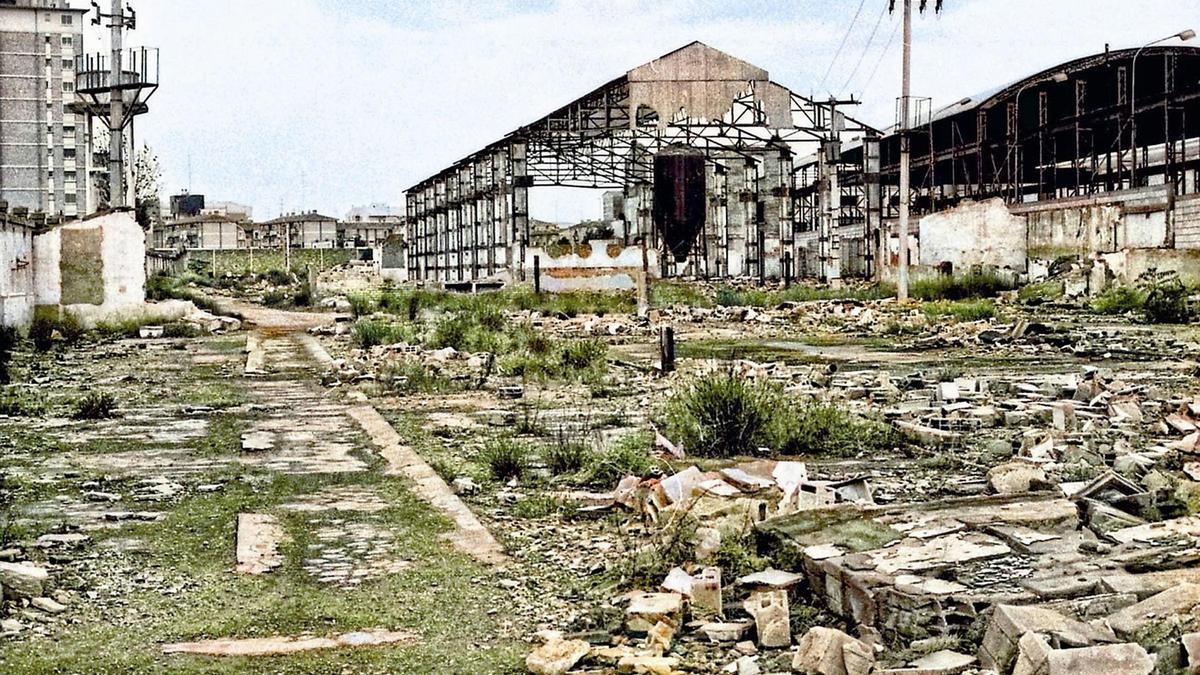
(808, 391)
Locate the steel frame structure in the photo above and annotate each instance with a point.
(471, 220)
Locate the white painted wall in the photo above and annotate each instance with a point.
(974, 233)
(597, 271)
(16, 275)
(123, 271)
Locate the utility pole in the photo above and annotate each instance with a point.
(906, 145)
(116, 144)
(905, 154)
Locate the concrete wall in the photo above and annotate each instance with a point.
(93, 267)
(16, 275)
(1097, 224)
(974, 234)
(597, 265)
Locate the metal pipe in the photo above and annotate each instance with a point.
(905, 155)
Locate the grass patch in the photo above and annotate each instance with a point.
(960, 310)
(629, 455)
(1045, 291)
(959, 287)
(14, 403)
(1119, 300)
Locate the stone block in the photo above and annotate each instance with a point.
(22, 581)
(556, 657)
(646, 610)
(827, 651)
(771, 617)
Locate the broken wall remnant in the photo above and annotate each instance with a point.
(974, 234)
(16, 272)
(596, 265)
(93, 268)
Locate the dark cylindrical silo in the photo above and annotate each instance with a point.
(680, 205)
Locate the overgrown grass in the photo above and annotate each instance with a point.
(371, 333)
(15, 403)
(410, 377)
(726, 415)
(9, 338)
(1119, 300)
(566, 456)
(960, 310)
(959, 287)
(49, 325)
(629, 455)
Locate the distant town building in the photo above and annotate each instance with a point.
(229, 210)
(304, 230)
(369, 226)
(44, 161)
(186, 205)
(205, 232)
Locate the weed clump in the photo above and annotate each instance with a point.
(723, 415)
(1167, 302)
(506, 458)
(628, 456)
(566, 456)
(95, 406)
(50, 325)
(1035, 294)
(369, 333)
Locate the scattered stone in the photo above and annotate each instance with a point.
(646, 610)
(22, 580)
(47, 605)
(827, 651)
(556, 657)
(258, 539)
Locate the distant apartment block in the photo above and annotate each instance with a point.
(303, 230)
(44, 162)
(369, 226)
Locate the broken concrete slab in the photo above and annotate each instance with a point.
(1010, 623)
(258, 538)
(1037, 657)
(1179, 600)
(278, 646)
(1017, 477)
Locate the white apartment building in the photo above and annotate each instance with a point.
(44, 162)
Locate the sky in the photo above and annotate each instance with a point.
(291, 105)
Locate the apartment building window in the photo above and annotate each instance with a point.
(68, 40)
(68, 153)
(70, 197)
(68, 64)
(67, 19)
(68, 131)
(49, 62)
(68, 87)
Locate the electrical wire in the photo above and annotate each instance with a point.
(883, 54)
(843, 43)
(866, 48)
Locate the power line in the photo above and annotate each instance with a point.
(882, 55)
(866, 48)
(843, 43)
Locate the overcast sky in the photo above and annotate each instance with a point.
(325, 104)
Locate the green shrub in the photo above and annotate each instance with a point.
(95, 406)
(536, 506)
(360, 304)
(48, 321)
(722, 415)
(505, 458)
(1119, 300)
(411, 377)
(580, 355)
(1167, 302)
(303, 297)
(960, 310)
(181, 329)
(277, 277)
(275, 298)
(15, 404)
